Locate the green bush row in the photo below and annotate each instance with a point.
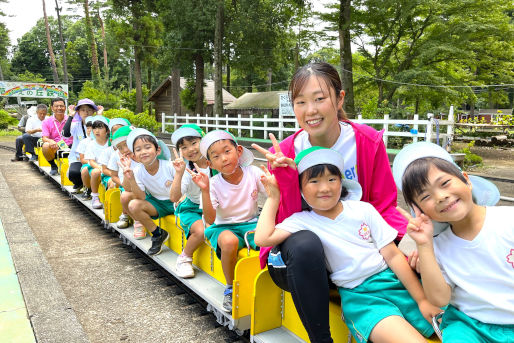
(6, 120)
(144, 119)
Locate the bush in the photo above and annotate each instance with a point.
(470, 159)
(144, 120)
(101, 95)
(6, 120)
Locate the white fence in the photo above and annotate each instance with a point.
(260, 127)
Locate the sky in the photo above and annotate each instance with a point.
(22, 15)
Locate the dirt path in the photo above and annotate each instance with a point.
(114, 295)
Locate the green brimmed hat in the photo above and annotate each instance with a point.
(118, 121)
(246, 158)
(187, 130)
(121, 135)
(317, 155)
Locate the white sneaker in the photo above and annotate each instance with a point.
(123, 222)
(185, 267)
(139, 230)
(97, 204)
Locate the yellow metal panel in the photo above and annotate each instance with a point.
(64, 170)
(112, 205)
(291, 319)
(41, 159)
(101, 192)
(246, 270)
(174, 241)
(265, 304)
(205, 258)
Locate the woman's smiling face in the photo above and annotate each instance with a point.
(316, 107)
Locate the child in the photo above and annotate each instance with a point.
(114, 125)
(91, 173)
(359, 250)
(187, 140)
(76, 127)
(469, 265)
(229, 200)
(150, 183)
(119, 140)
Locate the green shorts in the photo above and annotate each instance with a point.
(457, 327)
(188, 212)
(163, 207)
(239, 229)
(89, 168)
(105, 180)
(378, 297)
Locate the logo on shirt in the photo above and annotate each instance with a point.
(168, 183)
(364, 231)
(254, 194)
(510, 257)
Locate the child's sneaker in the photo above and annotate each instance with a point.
(123, 222)
(97, 204)
(157, 242)
(139, 230)
(86, 195)
(185, 267)
(227, 299)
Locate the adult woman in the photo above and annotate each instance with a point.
(317, 97)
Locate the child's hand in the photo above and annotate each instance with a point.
(100, 110)
(178, 162)
(419, 228)
(125, 166)
(201, 179)
(428, 310)
(71, 110)
(278, 159)
(270, 184)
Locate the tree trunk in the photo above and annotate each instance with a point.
(1, 73)
(130, 75)
(137, 77)
(95, 67)
(345, 50)
(218, 60)
(199, 83)
(63, 47)
(50, 49)
(175, 91)
(106, 66)
(149, 86)
(228, 77)
(296, 58)
(270, 76)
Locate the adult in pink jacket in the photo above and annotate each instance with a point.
(297, 265)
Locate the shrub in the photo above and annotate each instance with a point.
(470, 159)
(6, 120)
(101, 95)
(144, 119)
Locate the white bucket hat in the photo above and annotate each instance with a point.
(484, 192)
(246, 158)
(187, 130)
(131, 138)
(318, 155)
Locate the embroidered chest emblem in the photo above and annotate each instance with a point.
(168, 183)
(510, 257)
(254, 194)
(364, 231)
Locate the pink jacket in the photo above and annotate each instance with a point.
(375, 177)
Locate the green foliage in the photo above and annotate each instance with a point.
(128, 99)
(144, 120)
(6, 120)
(470, 159)
(28, 76)
(101, 95)
(9, 133)
(187, 96)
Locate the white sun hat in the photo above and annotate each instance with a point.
(246, 158)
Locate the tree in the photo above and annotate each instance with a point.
(218, 59)
(50, 49)
(63, 48)
(95, 67)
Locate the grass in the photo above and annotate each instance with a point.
(10, 133)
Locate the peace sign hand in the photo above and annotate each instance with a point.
(200, 178)
(124, 164)
(178, 163)
(100, 110)
(420, 228)
(277, 159)
(270, 184)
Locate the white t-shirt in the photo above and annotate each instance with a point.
(190, 189)
(481, 271)
(106, 156)
(82, 146)
(351, 242)
(32, 124)
(113, 165)
(77, 130)
(157, 185)
(94, 150)
(345, 145)
(236, 203)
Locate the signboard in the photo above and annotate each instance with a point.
(33, 89)
(285, 109)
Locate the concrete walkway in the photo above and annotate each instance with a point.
(14, 322)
